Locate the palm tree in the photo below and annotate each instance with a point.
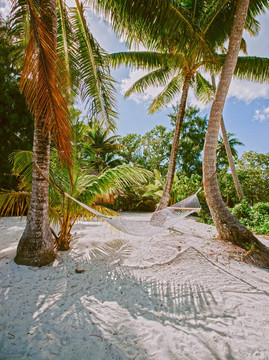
(222, 158)
(179, 70)
(99, 147)
(230, 151)
(43, 82)
(179, 73)
(227, 226)
(41, 85)
(78, 180)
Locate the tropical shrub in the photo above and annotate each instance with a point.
(256, 218)
(79, 181)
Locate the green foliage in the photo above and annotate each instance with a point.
(227, 188)
(152, 150)
(100, 148)
(95, 82)
(262, 208)
(242, 210)
(222, 159)
(156, 145)
(16, 125)
(80, 181)
(189, 159)
(131, 148)
(256, 218)
(253, 171)
(185, 186)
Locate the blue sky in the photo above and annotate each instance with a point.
(246, 112)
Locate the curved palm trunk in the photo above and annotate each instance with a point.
(164, 202)
(36, 246)
(227, 226)
(237, 184)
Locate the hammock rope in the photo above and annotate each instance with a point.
(160, 220)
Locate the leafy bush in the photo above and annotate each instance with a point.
(255, 218)
(262, 208)
(242, 210)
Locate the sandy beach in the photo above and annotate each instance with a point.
(178, 295)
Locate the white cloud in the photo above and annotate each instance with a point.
(248, 91)
(4, 8)
(262, 115)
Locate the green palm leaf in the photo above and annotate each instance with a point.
(141, 59)
(66, 48)
(152, 22)
(22, 166)
(167, 95)
(14, 203)
(203, 89)
(252, 68)
(158, 77)
(96, 85)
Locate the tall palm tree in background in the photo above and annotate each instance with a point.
(53, 73)
(178, 71)
(222, 156)
(150, 23)
(227, 226)
(229, 150)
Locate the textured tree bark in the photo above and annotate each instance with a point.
(237, 184)
(164, 202)
(227, 226)
(36, 246)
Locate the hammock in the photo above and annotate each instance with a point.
(160, 220)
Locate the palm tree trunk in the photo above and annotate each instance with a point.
(237, 184)
(164, 202)
(36, 246)
(227, 226)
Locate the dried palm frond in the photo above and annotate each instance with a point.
(43, 83)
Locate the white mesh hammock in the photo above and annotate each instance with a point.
(160, 220)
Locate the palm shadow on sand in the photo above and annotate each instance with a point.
(112, 312)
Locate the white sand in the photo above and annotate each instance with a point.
(174, 296)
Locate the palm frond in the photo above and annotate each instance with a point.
(14, 203)
(252, 68)
(158, 77)
(167, 95)
(42, 83)
(97, 87)
(140, 59)
(117, 178)
(154, 23)
(203, 89)
(22, 165)
(20, 28)
(216, 22)
(64, 43)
